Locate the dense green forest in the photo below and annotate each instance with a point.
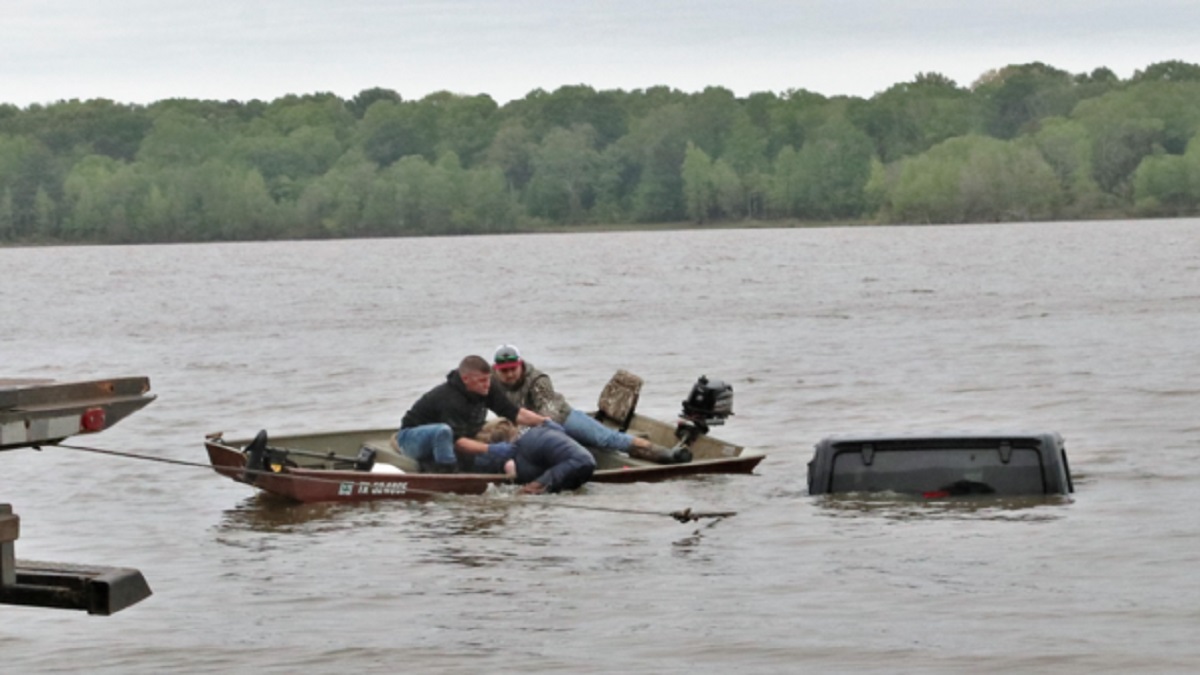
(1024, 142)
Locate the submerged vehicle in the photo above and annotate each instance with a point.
(942, 465)
(367, 465)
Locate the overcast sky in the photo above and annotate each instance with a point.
(140, 51)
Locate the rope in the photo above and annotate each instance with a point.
(209, 467)
(132, 455)
(683, 516)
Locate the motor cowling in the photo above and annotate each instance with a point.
(711, 401)
(365, 460)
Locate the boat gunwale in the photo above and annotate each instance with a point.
(287, 482)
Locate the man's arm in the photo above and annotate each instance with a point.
(503, 450)
(423, 411)
(470, 446)
(545, 400)
(528, 418)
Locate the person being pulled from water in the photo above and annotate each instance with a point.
(530, 388)
(544, 460)
(439, 429)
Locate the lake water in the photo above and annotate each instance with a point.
(1088, 329)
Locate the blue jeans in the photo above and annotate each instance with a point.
(586, 430)
(547, 455)
(428, 442)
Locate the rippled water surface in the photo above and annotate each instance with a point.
(1087, 329)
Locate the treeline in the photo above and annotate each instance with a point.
(1025, 142)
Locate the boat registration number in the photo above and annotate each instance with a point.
(349, 488)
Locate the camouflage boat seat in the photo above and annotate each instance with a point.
(619, 399)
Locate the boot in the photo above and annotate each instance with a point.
(661, 455)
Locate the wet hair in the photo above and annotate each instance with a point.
(497, 431)
(474, 364)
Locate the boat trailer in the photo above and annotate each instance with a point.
(43, 412)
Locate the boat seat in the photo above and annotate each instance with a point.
(619, 399)
(387, 451)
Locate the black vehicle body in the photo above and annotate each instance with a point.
(942, 465)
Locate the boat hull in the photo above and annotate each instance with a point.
(316, 480)
(321, 485)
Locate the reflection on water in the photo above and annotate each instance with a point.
(264, 512)
(896, 506)
(443, 514)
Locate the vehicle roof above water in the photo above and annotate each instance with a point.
(942, 464)
(942, 436)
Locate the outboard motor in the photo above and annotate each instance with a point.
(256, 457)
(262, 458)
(365, 460)
(710, 403)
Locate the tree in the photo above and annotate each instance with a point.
(711, 115)
(564, 168)
(181, 138)
(787, 195)
(427, 195)
(698, 193)
(155, 214)
(797, 114)
(365, 98)
(729, 191)
(390, 131)
(485, 203)
(214, 201)
(616, 180)
(1162, 186)
(1122, 132)
(415, 197)
(7, 224)
(1169, 185)
(746, 155)
(27, 169)
(911, 117)
(96, 199)
(712, 189)
(835, 166)
(318, 166)
(511, 151)
(333, 204)
(287, 163)
(656, 146)
(827, 177)
(1176, 104)
(317, 111)
(1099, 76)
(972, 179)
(1067, 149)
(572, 106)
(1167, 71)
(98, 126)
(45, 213)
(465, 125)
(1016, 97)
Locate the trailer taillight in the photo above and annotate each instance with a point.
(92, 420)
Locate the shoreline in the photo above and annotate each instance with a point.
(592, 228)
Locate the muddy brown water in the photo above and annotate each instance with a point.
(1087, 329)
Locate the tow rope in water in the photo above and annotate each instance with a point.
(683, 515)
